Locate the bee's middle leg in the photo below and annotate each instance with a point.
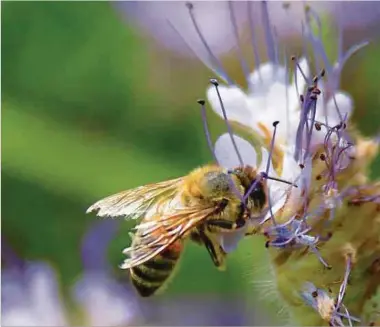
(216, 252)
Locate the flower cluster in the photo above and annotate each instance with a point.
(322, 228)
(31, 295)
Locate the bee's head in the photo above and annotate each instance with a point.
(247, 176)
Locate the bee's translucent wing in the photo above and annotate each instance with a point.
(154, 236)
(137, 202)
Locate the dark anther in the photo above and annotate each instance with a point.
(323, 72)
(316, 91)
(267, 244)
(318, 126)
(318, 177)
(302, 98)
(240, 223)
(214, 81)
(310, 88)
(302, 166)
(201, 102)
(329, 235)
(344, 125)
(293, 58)
(315, 79)
(313, 97)
(189, 5)
(322, 157)
(275, 123)
(314, 294)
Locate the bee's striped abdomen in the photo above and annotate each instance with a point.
(148, 277)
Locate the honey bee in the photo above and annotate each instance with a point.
(199, 206)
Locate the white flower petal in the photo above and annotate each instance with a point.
(234, 102)
(262, 78)
(226, 154)
(344, 103)
(277, 197)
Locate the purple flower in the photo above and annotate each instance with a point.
(220, 22)
(31, 295)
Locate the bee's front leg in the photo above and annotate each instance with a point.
(222, 225)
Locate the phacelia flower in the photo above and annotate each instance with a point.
(153, 17)
(31, 293)
(322, 227)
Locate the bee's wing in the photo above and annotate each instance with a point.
(137, 202)
(155, 236)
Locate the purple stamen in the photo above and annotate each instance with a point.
(307, 103)
(311, 129)
(214, 59)
(216, 70)
(235, 29)
(298, 66)
(271, 146)
(337, 108)
(207, 130)
(253, 38)
(265, 175)
(342, 61)
(343, 286)
(319, 256)
(317, 42)
(340, 33)
(287, 97)
(268, 32)
(216, 84)
(211, 147)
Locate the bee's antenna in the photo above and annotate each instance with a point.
(206, 129)
(216, 84)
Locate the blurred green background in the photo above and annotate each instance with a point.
(89, 109)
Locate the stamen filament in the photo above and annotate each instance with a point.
(242, 60)
(216, 84)
(268, 32)
(190, 6)
(207, 130)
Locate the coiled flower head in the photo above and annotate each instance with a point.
(323, 236)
